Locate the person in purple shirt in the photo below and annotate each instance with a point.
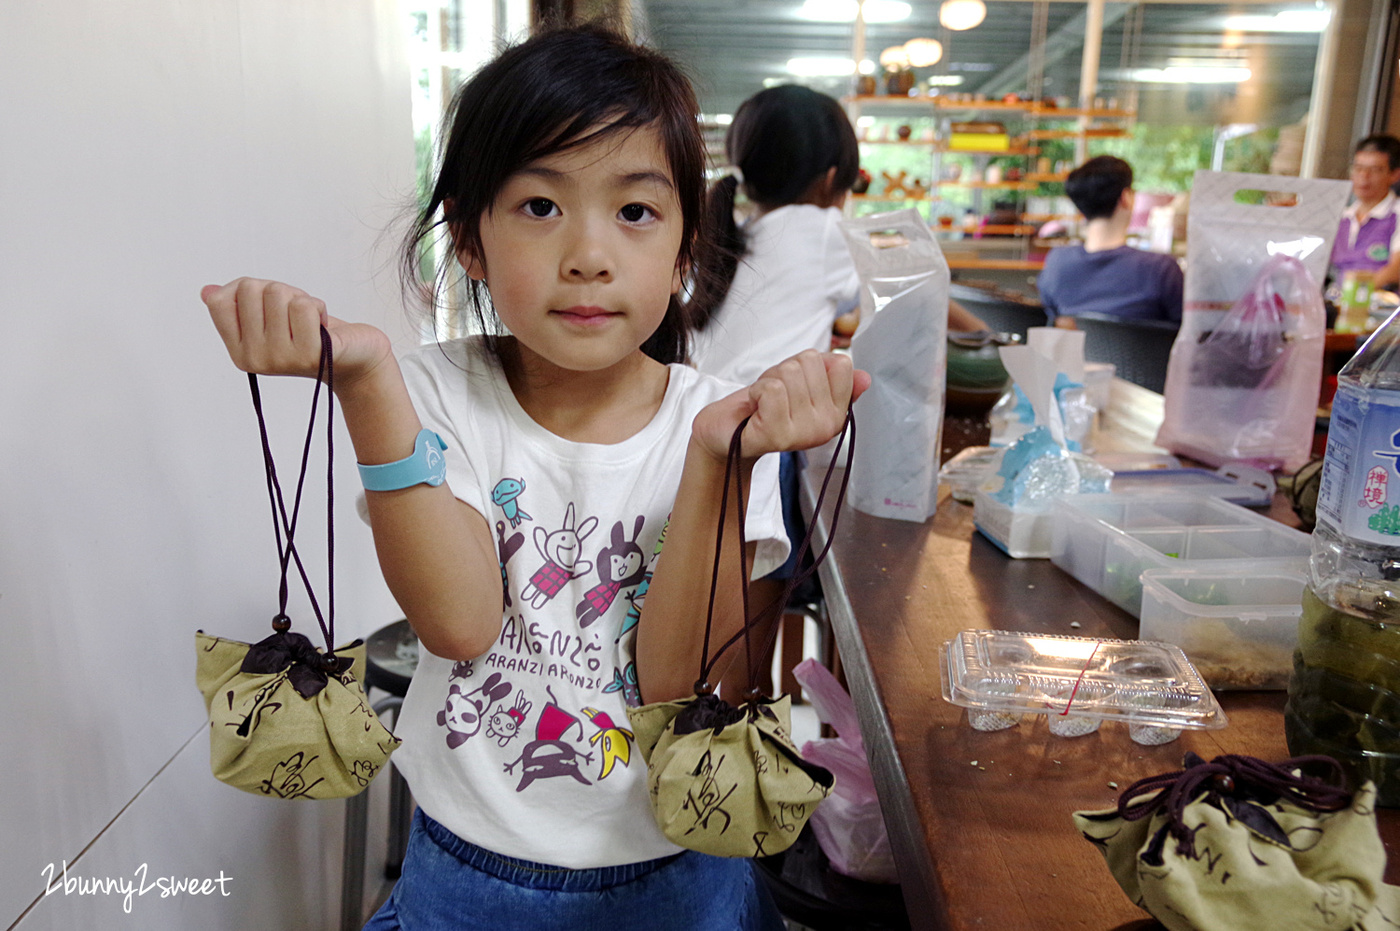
(1104, 275)
(1368, 238)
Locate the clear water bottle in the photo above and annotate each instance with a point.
(1344, 694)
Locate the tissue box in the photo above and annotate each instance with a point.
(1022, 532)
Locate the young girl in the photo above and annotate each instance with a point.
(570, 189)
(787, 272)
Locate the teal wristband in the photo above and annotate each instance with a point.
(426, 466)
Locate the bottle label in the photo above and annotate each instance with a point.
(1360, 490)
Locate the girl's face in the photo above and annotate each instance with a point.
(580, 251)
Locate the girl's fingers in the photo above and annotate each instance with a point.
(304, 314)
(219, 300)
(840, 376)
(860, 380)
(266, 326)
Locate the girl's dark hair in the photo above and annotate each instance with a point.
(783, 140)
(559, 90)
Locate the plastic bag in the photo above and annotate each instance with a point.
(849, 825)
(1245, 386)
(902, 342)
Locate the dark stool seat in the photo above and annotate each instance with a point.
(391, 656)
(808, 891)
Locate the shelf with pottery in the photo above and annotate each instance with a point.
(941, 145)
(1087, 132)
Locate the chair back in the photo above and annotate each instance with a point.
(1138, 349)
(999, 313)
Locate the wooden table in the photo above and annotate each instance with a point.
(980, 822)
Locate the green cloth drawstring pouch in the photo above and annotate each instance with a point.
(730, 781)
(287, 720)
(1241, 843)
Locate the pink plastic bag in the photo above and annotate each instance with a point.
(849, 825)
(1243, 384)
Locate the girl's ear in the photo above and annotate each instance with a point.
(466, 258)
(678, 276)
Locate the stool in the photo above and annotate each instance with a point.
(391, 655)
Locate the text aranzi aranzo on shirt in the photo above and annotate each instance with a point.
(138, 883)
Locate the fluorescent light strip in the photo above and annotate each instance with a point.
(1190, 75)
(844, 11)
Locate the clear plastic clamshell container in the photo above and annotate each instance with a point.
(1000, 675)
(965, 471)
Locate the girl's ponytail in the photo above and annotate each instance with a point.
(721, 245)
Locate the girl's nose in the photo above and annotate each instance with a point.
(588, 258)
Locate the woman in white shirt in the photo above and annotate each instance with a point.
(784, 275)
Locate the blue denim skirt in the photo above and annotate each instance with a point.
(448, 883)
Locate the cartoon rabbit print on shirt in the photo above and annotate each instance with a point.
(561, 550)
(620, 566)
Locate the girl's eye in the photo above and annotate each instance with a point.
(540, 207)
(634, 213)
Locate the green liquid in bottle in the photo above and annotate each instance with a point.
(1344, 695)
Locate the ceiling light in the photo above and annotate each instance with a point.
(1304, 20)
(923, 52)
(962, 14)
(894, 58)
(844, 11)
(821, 67)
(944, 80)
(1178, 75)
(866, 66)
(886, 11)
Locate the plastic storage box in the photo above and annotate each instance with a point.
(999, 675)
(1107, 541)
(1238, 626)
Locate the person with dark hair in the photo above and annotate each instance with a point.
(1368, 238)
(569, 193)
(784, 275)
(1103, 274)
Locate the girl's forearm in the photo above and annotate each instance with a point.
(436, 553)
(670, 634)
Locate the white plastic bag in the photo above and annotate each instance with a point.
(1258, 249)
(902, 343)
(849, 825)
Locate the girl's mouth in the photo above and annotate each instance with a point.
(586, 316)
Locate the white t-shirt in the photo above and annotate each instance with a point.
(795, 277)
(526, 750)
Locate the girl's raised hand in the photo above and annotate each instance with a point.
(797, 404)
(272, 328)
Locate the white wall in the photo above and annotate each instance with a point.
(148, 147)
